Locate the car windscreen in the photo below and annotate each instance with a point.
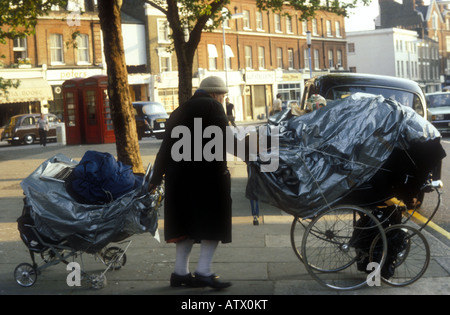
(152, 109)
(438, 100)
(403, 97)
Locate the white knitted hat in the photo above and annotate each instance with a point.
(213, 84)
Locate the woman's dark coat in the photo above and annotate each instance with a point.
(197, 201)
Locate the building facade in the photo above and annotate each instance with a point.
(66, 44)
(431, 21)
(258, 54)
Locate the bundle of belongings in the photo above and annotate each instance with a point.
(91, 203)
(359, 150)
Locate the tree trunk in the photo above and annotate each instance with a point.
(127, 144)
(185, 60)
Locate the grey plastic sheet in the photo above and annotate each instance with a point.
(327, 154)
(86, 227)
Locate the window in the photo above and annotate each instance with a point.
(163, 31)
(165, 64)
(228, 55)
(259, 21)
(316, 59)
(261, 57)
(315, 32)
(291, 58)
(289, 25)
(28, 121)
(212, 57)
(83, 49)
(329, 31)
(248, 57)
(337, 26)
(304, 26)
(20, 49)
(280, 58)
(246, 19)
(165, 60)
(277, 18)
(330, 59)
(351, 47)
(306, 58)
(56, 49)
(70, 109)
(339, 58)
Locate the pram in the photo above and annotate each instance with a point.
(352, 175)
(58, 228)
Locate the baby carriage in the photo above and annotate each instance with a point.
(59, 226)
(352, 175)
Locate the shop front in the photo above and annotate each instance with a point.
(32, 96)
(258, 94)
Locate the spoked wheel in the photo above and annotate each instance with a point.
(298, 228)
(336, 245)
(114, 256)
(25, 275)
(408, 255)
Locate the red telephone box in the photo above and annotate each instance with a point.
(73, 110)
(98, 124)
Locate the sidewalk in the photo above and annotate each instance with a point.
(259, 261)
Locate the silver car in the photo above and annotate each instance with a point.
(439, 110)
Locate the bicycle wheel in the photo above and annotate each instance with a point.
(408, 255)
(336, 244)
(298, 228)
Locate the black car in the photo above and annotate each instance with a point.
(340, 85)
(151, 119)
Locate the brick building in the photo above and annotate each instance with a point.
(66, 44)
(264, 54)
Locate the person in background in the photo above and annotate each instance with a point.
(42, 124)
(230, 111)
(277, 104)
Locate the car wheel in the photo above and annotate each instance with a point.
(28, 139)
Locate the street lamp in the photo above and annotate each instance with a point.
(233, 17)
(308, 42)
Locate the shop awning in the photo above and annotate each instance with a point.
(29, 90)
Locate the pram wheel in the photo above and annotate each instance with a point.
(408, 255)
(114, 256)
(298, 228)
(25, 275)
(336, 244)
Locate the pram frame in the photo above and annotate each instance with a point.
(26, 274)
(306, 227)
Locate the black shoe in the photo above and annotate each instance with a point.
(178, 281)
(210, 281)
(255, 221)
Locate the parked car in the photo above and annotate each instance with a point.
(439, 110)
(340, 85)
(151, 119)
(23, 129)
